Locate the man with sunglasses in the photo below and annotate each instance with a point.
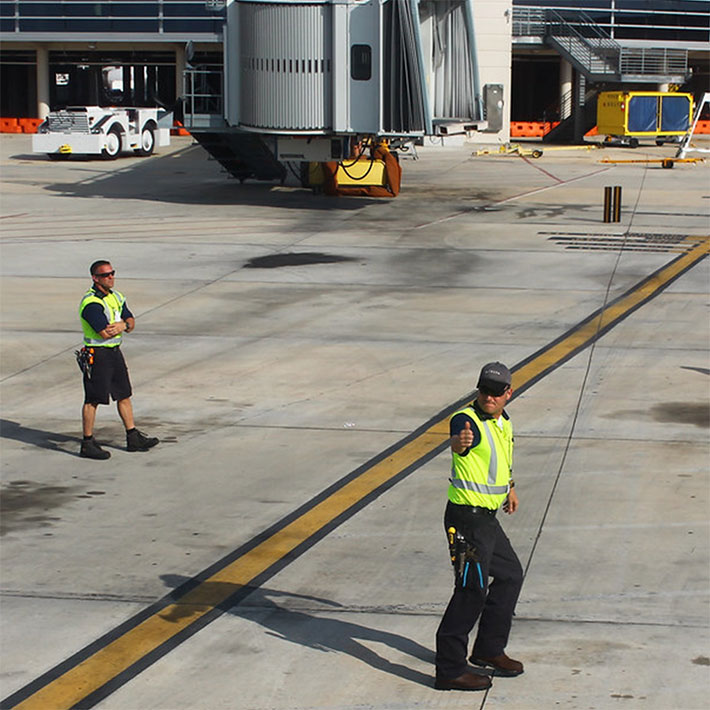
(480, 484)
(104, 318)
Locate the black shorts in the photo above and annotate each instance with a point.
(109, 376)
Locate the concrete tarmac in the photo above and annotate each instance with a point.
(283, 342)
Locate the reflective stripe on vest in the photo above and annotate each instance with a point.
(481, 478)
(478, 487)
(112, 305)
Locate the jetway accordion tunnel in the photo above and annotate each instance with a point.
(378, 67)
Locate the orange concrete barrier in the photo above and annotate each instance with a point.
(531, 129)
(29, 125)
(9, 125)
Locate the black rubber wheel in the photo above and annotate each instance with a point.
(536, 154)
(633, 142)
(114, 144)
(667, 162)
(659, 141)
(147, 145)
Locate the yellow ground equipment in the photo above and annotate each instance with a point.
(624, 117)
(372, 171)
(664, 162)
(361, 172)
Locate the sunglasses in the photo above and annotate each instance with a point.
(488, 392)
(104, 274)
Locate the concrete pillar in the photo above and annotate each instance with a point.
(565, 89)
(579, 103)
(42, 55)
(180, 64)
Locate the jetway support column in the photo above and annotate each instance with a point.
(578, 101)
(566, 99)
(42, 80)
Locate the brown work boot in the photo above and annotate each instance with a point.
(466, 681)
(501, 664)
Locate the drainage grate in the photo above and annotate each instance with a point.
(633, 241)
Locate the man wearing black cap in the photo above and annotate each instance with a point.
(480, 484)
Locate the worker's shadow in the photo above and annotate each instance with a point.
(311, 625)
(38, 437)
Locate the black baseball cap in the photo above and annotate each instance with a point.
(495, 378)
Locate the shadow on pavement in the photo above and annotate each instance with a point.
(184, 177)
(38, 437)
(313, 627)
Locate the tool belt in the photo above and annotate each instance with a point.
(467, 568)
(85, 360)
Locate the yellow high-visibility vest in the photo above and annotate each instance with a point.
(112, 304)
(482, 477)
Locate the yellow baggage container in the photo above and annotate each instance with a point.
(636, 114)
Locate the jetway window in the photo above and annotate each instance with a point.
(361, 62)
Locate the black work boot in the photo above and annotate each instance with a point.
(137, 441)
(91, 450)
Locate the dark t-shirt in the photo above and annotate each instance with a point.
(95, 315)
(458, 423)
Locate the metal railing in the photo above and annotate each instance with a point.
(529, 22)
(622, 19)
(580, 36)
(659, 62)
(156, 17)
(583, 39)
(202, 92)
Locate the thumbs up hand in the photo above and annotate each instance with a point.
(463, 440)
(466, 435)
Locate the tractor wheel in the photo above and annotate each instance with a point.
(114, 143)
(147, 144)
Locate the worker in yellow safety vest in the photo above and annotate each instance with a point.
(481, 483)
(105, 317)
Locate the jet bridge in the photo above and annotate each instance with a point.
(308, 80)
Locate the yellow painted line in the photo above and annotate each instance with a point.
(119, 654)
(126, 650)
(615, 311)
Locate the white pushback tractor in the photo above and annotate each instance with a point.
(105, 131)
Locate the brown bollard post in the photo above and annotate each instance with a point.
(617, 203)
(607, 204)
(612, 204)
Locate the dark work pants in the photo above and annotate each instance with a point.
(494, 602)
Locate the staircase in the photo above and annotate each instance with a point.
(243, 155)
(584, 45)
(565, 131)
(591, 51)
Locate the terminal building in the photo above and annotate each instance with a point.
(543, 57)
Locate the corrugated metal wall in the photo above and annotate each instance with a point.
(286, 66)
(453, 72)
